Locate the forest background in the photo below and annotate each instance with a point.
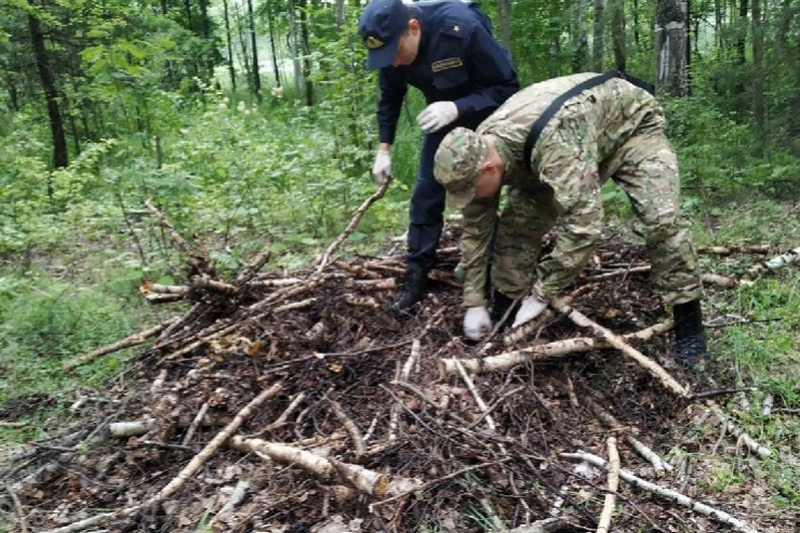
(252, 121)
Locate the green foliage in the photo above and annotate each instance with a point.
(44, 322)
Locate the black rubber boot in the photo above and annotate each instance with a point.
(690, 336)
(414, 284)
(500, 305)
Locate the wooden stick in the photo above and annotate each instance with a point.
(708, 277)
(308, 302)
(205, 282)
(281, 420)
(659, 465)
(187, 438)
(478, 400)
(236, 497)
(205, 454)
(742, 437)
(132, 340)
(149, 287)
(604, 525)
(352, 429)
(508, 360)
(672, 495)
(654, 368)
(23, 525)
(198, 260)
(251, 270)
(755, 249)
(412, 361)
(351, 226)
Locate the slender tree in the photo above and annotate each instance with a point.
(618, 33)
(758, 77)
(579, 35)
(228, 40)
(60, 155)
(598, 44)
(670, 37)
(251, 22)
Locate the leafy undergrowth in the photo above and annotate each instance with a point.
(337, 351)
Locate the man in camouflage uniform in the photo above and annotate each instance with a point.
(611, 129)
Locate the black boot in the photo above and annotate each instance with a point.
(413, 289)
(500, 305)
(690, 337)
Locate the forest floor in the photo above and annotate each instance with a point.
(368, 424)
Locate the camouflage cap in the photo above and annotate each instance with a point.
(456, 165)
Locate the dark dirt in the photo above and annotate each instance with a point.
(82, 472)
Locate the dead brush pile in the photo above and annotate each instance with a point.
(297, 404)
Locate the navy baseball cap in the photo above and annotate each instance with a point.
(381, 26)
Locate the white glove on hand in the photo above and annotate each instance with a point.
(436, 116)
(382, 169)
(477, 323)
(531, 308)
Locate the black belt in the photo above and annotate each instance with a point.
(556, 104)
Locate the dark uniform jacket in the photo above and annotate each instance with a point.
(458, 61)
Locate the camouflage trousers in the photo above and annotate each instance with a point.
(646, 168)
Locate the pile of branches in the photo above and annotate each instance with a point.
(297, 403)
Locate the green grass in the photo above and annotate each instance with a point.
(45, 321)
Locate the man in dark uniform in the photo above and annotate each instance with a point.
(445, 49)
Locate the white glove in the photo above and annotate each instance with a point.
(436, 116)
(477, 323)
(382, 169)
(531, 308)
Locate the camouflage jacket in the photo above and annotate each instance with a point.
(572, 158)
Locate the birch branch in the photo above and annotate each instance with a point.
(741, 436)
(205, 282)
(604, 525)
(350, 427)
(659, 465)
(133, 340)
(363, 479)
(788, 258)
(508, 360)
(755, 249)
(674, 496)
(351, 226)
(709, 278)
(654, 368)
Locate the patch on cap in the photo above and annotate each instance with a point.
(456, 165)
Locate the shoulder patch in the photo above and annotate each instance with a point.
(444, 64)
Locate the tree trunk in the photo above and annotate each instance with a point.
(60, 155)
(251, 20)
(504, 10)
(554, 26)
(636, 24)
(228, 40)
(244, 47)
(598, 45)
(271, 17)
(306, 47)
(758, 78)
(670, 36)
(618, 33)
(294, 46)
(688, 48)
(579, 36)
